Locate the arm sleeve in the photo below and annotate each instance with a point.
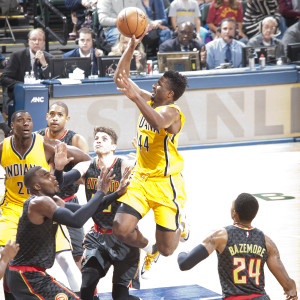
(67, 178)
(72, 206)
(187, 261)
(77, 219)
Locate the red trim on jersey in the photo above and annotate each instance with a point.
(102, 230)
(69, 198)
(108, 167)
(26, 268)
(242, 297)
(65, 132)
(243, 227)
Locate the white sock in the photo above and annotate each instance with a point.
(68, 265)
(148, 248)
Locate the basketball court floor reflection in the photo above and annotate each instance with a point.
(214, 177)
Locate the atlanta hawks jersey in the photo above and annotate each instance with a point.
(157, 153)
(103, 218)
(37, 242)
(16, 166)
(241, 264)
(67, 137)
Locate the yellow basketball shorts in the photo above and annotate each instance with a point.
(9, 219)
(164, 195)
(62, 239)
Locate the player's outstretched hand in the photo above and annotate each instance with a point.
(127, 86)
(124, 181)
(9, 251)
(104, 179)
(61, 156)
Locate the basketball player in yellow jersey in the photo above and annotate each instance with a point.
(19, 153)
(156, 180)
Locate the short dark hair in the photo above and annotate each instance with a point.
(62, 104)
(13, 117)
(86, 30)
(228, 20)
(177, 83)
(30, 176)
(246, 206)
(108, 131)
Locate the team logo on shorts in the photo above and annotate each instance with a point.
(61, 296)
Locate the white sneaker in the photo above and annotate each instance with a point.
(185, 234)
(149, 260)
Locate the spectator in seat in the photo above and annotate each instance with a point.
(221, 9)
(108, 11)
(290, 14)
(256, 11)
(187, 11)
(292, 35)
(155, 10)
(225, 49)
(85, 49)
(21, 61)
(266, 37)
(139, 53)
(185, 41)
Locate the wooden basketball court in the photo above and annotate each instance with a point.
(214, 177)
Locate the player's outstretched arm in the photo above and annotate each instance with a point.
(278, 270)
(216, 241)
(7, 254)
(44, 206)
(165, 118)
(61, 159)
(77, 154)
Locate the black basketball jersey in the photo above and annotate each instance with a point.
(241, 264)
(37, 242)
(67, 137)
(103, 218)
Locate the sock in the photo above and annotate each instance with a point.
(148, 248)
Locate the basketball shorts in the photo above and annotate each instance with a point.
(110, 252)
(164, 195)
(27, 282)
(76, 234)
(62, 239)
(9, 219)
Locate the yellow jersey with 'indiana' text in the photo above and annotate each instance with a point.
(16, 166)
(157, 154)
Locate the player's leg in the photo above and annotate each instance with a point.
(126, 271)
(125, 227)
(133, 207)
(10, 215)
(167, 214)
(26, 283)
(91, 272)
(65, 259)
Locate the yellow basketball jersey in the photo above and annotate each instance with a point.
(157, 153)
(16, 166)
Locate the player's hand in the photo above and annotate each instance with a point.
(59, 201)
(291, 295)
(61, 158)
(127, 87)
(10, 251)
(104, 179)
(124, 181)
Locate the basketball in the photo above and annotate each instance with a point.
(131, 21)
